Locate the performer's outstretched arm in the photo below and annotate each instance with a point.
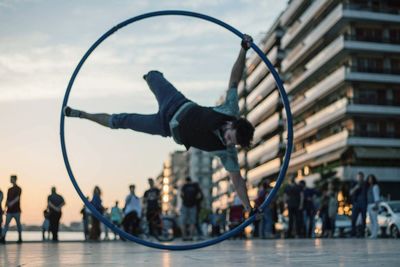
(238, 67)
(241, 189)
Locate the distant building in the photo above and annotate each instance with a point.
(179, 165)
(340, 62)
(200, 171)
(175, 170)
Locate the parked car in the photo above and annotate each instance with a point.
(388, 219)
(342, 226)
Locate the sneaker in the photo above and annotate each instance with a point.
(2, 240)
(69, 112)
(19, 241)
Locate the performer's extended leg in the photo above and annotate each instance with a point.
(150, 123)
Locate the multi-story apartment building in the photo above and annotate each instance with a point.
(179, 165)
(340, 62)
(200, 171)
(175, 170)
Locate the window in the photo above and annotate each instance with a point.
(394, 36)
(367, 96)
(370, 65)
(390, 130)
(395, 65)
(369, 35)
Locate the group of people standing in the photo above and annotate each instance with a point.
(304, 204)
(13, 211)
(365, 196)
(129, 217)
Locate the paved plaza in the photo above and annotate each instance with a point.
(299, 252)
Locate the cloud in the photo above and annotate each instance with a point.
(197, 55)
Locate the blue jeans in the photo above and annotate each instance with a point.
(266, 226)
(17, 218)
(358, 210)
(309, 222)
(169, 100)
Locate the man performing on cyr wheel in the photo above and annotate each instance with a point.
(215, 129)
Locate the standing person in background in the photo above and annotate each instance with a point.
(293, 198)
(236, 215)
(266, 219)
(132, 212)
(46, 225)
(309, 210)
(116, 216)
(1, 211)
(152, 207)
(106, 215)
(86, 214)
(189, 194)
(373, 204)
(13, 209)
(199, 201)
(324, 213)
(95, 230)
(55, 202)
(358, 194)
(332, 209)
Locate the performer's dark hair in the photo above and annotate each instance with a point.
(244, 132)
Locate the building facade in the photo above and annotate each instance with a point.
(340, 62)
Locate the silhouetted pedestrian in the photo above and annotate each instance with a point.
(13, 209)
(95, 230)
(132, 212)
(358, 195)
(46, 225)
(373, 204)
(294, 201)
(55, 202)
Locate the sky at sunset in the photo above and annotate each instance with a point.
(41, 42)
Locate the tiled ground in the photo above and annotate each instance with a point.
(299, 252)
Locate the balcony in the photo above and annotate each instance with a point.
(290, 13)
(320, 63)
(324, 117)
(317, 149)
(371, 39)
(360, 46)
(266, 127)
(272, 37)
(271, 167)
(219, 175)
(331, 54)
(264, 151)
(308, 16)
(360, 75)
(304, 48)
(339, 16)
(336, 111)
(373, 142)
(264, 109)
(323, 88)
(373, 110)
(376, 8)
(261, 91)
(261, 70)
